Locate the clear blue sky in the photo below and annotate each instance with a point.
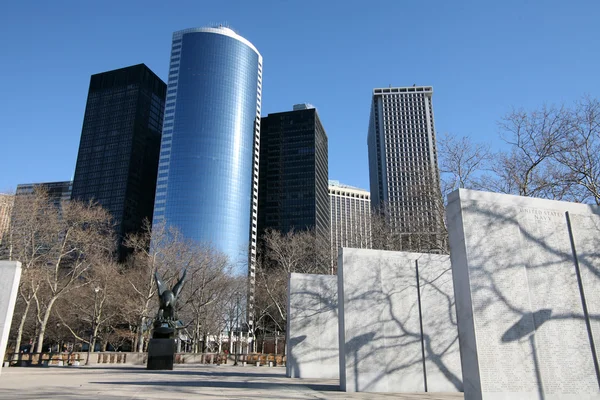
(481, 57)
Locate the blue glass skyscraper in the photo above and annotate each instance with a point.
(207, 183)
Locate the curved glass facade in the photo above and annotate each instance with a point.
(209, 152)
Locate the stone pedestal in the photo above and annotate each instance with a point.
(161, 353)
(10, 275)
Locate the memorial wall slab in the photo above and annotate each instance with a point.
(586, 234)
(440, 333)
(522, 327)
(397, 322)
(312, 331)
(10, 276)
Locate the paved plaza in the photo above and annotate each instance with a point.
(185, 382)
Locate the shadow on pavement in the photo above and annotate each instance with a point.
(56, 394)
(141, 370)
(228, 385)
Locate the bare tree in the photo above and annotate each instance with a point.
(81, 238)
(553, 153)
(230, 312)
(579, 152)
(462, 161)
(280, 255)
(25, 243)
(57, 245)
(209, 276)
(528, 167)
(96, 307)
(418, 227)
(157, 248)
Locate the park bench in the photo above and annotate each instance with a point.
(263, 359)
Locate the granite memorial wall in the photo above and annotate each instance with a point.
(397, 323)
(312, 327)
(527, 281)
(10, 276)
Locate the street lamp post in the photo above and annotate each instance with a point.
(237, 328)
(58, 337)
(92, 336)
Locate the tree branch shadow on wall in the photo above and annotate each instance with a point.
(526, 293)
(390, 335)
(314, 310)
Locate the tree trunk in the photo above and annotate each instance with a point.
(140, 336)
(197, 338)
(134, 342)
(44, 322)
(95, 333)
(21, 326)
(34, 341)
(230, 337)
(142, 323)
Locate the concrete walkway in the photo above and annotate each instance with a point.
(185, 382)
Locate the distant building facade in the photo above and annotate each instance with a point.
(6, 205)
(117, 163)
(350, 218)
(58, 192)
(293, 177)
(206, 185)
(403, 168)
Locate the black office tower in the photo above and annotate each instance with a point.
(292, 185)
(117, 163)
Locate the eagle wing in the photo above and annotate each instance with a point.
(160, 285)
(177, 288)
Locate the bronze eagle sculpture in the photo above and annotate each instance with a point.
(168, 298)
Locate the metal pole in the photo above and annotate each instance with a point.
(237, 324)
(87, 361)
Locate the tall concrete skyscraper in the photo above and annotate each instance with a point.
(117, 161)
(403, 169)
(350, 218)
(6, 205)
(293, 173)
(207, 183)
